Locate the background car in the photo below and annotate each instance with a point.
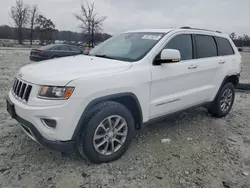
(54, 51)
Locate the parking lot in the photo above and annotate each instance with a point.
(203, 152)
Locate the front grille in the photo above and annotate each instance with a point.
(21, 90)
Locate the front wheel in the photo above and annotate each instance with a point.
(108, 133)
(223, 102)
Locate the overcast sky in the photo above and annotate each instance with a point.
(224, 15)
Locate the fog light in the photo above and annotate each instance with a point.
(49, 122)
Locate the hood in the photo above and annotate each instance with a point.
(63, 70)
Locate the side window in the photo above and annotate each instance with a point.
(183, 43)
(205, 46)
(57, 48)
(224, 46)
(64, 48)
(74, 49)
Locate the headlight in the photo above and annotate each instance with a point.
(55, 92)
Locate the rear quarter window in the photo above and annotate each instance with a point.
(64, 48)
(48, 47)
(75, 49)
(224, 46)
(56, 48)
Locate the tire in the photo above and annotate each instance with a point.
(55, 57)
(217, 109)
(97, 122)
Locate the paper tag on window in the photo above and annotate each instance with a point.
(152, 37)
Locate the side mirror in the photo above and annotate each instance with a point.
(168, 56)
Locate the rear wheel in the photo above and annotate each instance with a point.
(108, 133)
(223, 102)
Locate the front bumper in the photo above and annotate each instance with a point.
(66, 113)
(34, 133)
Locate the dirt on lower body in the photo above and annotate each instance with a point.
(201, 151)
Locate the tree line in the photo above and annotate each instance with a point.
(240, 41)
(7, 32)
(33, 25)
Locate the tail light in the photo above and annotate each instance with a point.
(40, 52)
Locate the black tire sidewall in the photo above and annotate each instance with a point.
(109, 109)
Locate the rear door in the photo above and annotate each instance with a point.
(209, 65)
(65, 51)
(229, 59)
(56, 52)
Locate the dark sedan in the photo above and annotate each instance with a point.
(54, 51)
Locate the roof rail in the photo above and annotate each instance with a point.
(187, 27)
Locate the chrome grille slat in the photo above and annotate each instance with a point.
(25, 91)
(15, 91)
(21, 90)
(18, 88)
(14, 84)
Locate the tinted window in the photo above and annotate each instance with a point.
(75, 49)
(56, 48)
(224, 46)
(48, 47)
(205, 46)
(64, 48)
(183, 43)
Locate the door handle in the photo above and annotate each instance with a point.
(222, 62)
(192, 66)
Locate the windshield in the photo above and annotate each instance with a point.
(127, 46)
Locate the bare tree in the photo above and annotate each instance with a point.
(33, 17)
(46, 28)
(245, 37)
(20, 15)
(233, 36)
(91, 24)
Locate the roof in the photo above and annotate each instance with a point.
(151, 30)
(195, 30)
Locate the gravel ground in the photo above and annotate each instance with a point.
(203, 151)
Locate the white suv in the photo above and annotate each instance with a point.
(94, 103)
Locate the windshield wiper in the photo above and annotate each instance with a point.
(104, 56)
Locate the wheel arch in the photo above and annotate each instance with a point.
(54, 56)
(234, 79)
(129, 100)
